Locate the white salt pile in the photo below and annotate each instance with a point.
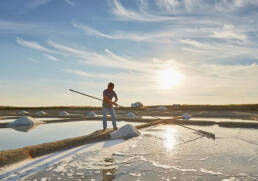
(23, 112)
(24, 121)
(162, 108)
(91, 114)
(131, 115)
(64, 113)
(40, 113)
(125, 132)
(186, 116)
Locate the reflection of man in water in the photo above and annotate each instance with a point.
(107, 105)
(108, 174)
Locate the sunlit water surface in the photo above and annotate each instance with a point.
(11, 138)
(165, 152)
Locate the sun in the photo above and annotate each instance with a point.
(169, 78)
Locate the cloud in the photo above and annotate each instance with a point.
(52, 58)
(229, 32)
(135, 78)
(70, 2)
(79, 72)
(32, 4)
(143, 71)
(65, 48)
(125, 14)
(203, 6)
(9, 25)
(90, 31)
(181, 10)
(109, 59)
(33, 45)
(162, 36)
(192, 42)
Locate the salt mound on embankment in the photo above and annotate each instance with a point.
(23, 112)
(91, 114)
(125, 132)
(131, 115)
(186, 116)
(24, 121)
(64, 113)
(40, 113)
(162, 108)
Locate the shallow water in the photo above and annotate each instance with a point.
(166, 152)
(159, 117)
(40, 119)
(222, 120)
(11, 138)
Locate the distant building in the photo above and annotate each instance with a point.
(137, 104)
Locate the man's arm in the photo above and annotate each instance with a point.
(109, 101)
(116, 99)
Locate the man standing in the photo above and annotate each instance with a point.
(107, 105)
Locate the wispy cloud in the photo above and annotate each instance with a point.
(10, 26)
(80, 73)
(206, 7)
(121, 12)
(135, 78)
(205, 79)
(162, 36)
(32, 4)
(33, 45)
(90, 31)
(229, 32)
(192, 42)
(52, 58)
(65, 49)
(70, 2)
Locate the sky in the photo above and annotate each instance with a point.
(156, 52)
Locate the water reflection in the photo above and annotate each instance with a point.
(170, 138)
(109, 173)
(24, 128)
(43, 133)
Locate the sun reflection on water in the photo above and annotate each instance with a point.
(170, 138)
